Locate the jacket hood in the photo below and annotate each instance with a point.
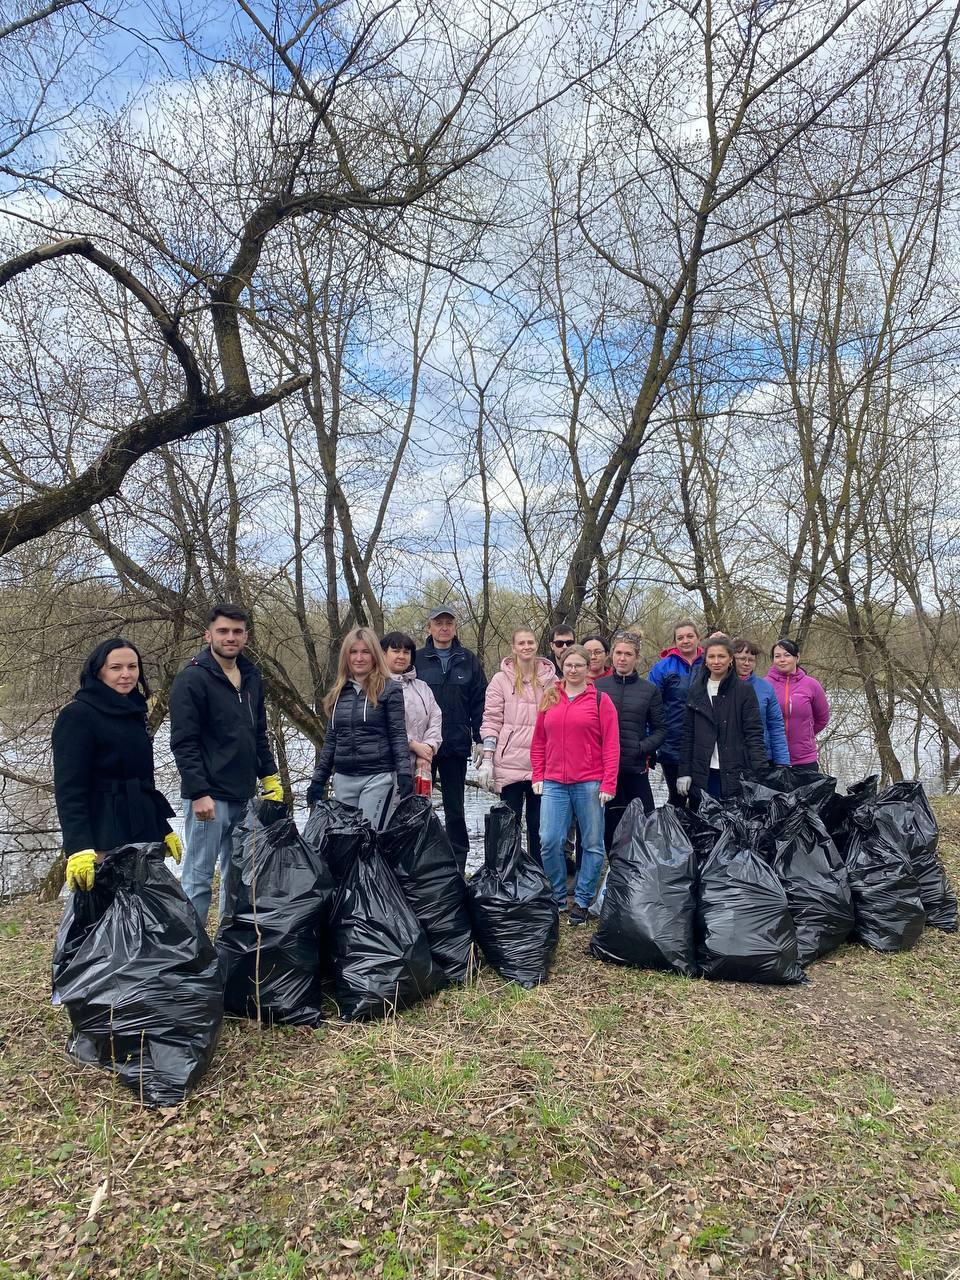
(545, 671)
(779, 677)
(674, 652)
(95, 693)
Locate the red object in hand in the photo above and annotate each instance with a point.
(422, 781)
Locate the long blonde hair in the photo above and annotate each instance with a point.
(517, 673)
(373, 684)
(551, 694)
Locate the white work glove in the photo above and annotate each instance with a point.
(485, 775)
(604, 797)
(683, 785)
(537, 788)
(477, 754)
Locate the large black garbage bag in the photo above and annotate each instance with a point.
(703, 833)
(420, 855)
(921, 835)
(886, 896)
(381, 956)
(744, 923)
(836, 818)
(650, 903)
(515, 920)
(338, 830)
(816, 794)
(814, 876)
(139, 977)
(273, 939)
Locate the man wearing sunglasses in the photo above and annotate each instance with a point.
(561, 638)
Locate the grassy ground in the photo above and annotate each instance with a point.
(614, 1123)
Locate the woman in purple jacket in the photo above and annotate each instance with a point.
(803, 703)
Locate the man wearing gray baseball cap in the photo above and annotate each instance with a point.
(456, 678)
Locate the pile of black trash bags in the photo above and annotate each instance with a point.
(337, 919)
(756, 889)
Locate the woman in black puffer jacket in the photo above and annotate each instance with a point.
(722, 730)
(643, 727)
(366, 748)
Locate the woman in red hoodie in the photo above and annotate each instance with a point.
(575, 757)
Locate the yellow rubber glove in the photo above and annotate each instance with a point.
(270, 788)
(81, 868)
(174, 846)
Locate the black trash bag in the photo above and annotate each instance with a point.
(139, 977)
(515, 920)
(650, 903)
(814, 876)
(836, 818)
(273, 940)
(339, 831)
(886, 896)
(702, 832)
(913, 816)
(744, 924)
(421, 856)
(816, 794)
(381, 956)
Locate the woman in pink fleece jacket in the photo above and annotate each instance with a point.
(803, 703)
(575, 755)
(509, 714)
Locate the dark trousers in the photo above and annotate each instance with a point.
(514, 795)
(630, 786)
(670, 770)
(452, 773)
(805, 773)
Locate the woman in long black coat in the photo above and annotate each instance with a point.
(103, 764)
(722, 730)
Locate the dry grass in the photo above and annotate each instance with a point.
(614, 1123)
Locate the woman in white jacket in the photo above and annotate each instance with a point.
(422, 711)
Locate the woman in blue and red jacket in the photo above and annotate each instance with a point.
(575, 756)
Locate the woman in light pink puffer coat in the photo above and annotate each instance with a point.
(509, 715)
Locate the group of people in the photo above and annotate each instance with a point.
(566, 741)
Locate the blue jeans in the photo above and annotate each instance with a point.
(560, 802)
(205, 845)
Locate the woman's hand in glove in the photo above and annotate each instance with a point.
(81, 870)
(174, 846)
(485, 775)
(683, 785)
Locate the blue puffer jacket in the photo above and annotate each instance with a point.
(672, 676)
(774, 734)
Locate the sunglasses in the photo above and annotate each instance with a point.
(562, 644)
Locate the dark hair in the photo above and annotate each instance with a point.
(606, 647)
(562, 629)
(743, 645)
(685, 622)
(94, 664)
(720, 641)
(225, 610)
(784, 643)
(398, 640)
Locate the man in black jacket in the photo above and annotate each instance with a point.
(218, 735)
(459, 685)
(642, 724)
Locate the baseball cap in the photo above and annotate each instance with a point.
(442, 608)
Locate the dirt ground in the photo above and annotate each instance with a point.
(612, 1123)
